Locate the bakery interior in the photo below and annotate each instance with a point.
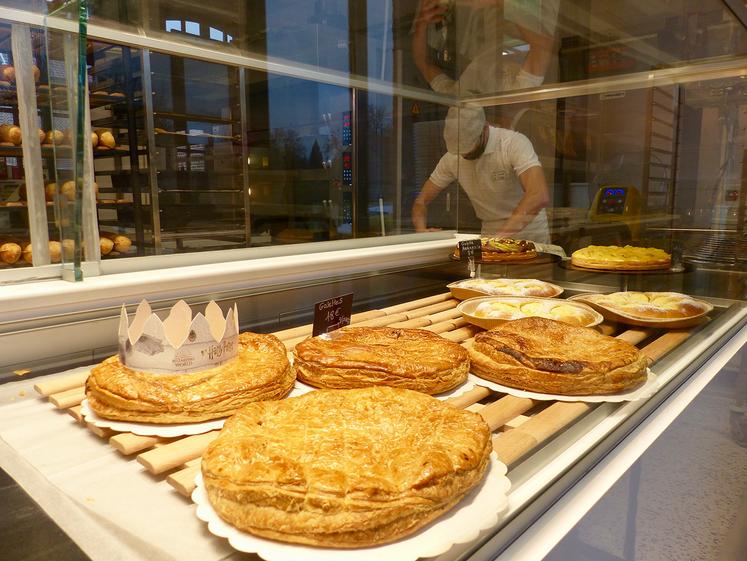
(268, 156)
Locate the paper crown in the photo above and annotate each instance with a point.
(178, 344)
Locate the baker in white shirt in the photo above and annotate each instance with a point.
(499, 171)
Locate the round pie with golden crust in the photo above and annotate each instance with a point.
(616, 258)
(356, 357)
(260, 371)
(344, 468)
(548, 356)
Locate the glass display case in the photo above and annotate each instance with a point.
(272, 155)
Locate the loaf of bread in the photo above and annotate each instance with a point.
(106, 139)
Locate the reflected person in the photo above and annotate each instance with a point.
(500, 172)
(487, 72)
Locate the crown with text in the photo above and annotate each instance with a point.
(180, 343)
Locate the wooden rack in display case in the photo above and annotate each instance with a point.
(521, 426)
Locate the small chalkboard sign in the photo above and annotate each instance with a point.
(332, 314)
(470, 249)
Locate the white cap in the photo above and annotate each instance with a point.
(463, 128)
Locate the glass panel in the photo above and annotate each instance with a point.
(36, 171)
(271, 123)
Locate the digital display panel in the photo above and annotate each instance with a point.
(612, 200)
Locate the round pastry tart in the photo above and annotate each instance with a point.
(648, 308)
(491, 311)
(344, 468)
(548, 356)
(469, 288)
(504, 249)
(616, 258)
(260, 371)
(356, 357)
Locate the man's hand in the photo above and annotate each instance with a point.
(431, 11)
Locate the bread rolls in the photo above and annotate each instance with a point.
(10, 253)
(55, 251)
(122, 243)
(106, 139)
(11, 134)
(54, 137)
(106, 245)
(50, 190)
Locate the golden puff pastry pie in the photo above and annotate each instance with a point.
(356, 357)
(260, 371)
(548, 356)
(344, 468)
(627, 258)
(506, 287)
(651, 305)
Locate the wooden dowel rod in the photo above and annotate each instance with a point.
(468, 398)
(406, 306)
(61, 383)
(127, 443)
(175, 454)
(516, 443)
(76, 413)
(461, 334)
(184, 480)
(412, 323)
(635, 336)
(69, 398)
(452, 313)
(449, 325)
(102, 432)
(661, 346)
(384, 320)
(432, 309)
(499, 412)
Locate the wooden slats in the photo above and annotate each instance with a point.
(68, 398)
(500, 412)
(60, 383)
(169, 456)
(521, 425)
(127, 443)
(516, 443)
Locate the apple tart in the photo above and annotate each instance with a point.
(548, 356)
(616, 258)
(356, 357)
(344, 468)
(260, 371)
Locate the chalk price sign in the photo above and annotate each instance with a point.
(470, 249)
(332, 314)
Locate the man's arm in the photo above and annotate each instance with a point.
(420, 207)
(536, 197)
(430, 12)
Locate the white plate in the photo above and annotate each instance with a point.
(301, 388)
(641, 392)
(150, 429)
(477, 511)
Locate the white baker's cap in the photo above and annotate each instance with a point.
(463, 128)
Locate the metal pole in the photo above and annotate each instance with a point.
(148, 94)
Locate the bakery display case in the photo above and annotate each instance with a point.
(534, 211)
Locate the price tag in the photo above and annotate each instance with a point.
(470, 250)
(332, 314)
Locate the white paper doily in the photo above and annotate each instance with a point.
(150, 429)
(468, 384)
(641, 392)
(477, 511)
